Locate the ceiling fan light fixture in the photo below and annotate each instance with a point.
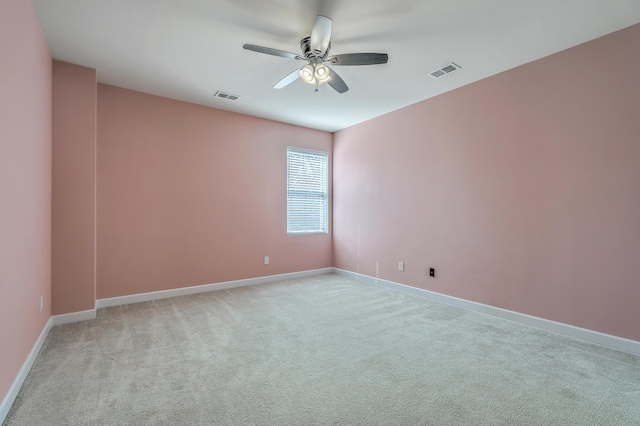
(322, 74)
(307, 74)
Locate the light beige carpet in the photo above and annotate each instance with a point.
(321, 350)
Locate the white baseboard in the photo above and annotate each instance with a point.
(74, 317)
(8, 400)
(608, 340)
(184, 291)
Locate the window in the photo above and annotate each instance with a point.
(307, 191)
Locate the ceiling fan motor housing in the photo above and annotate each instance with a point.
(305, 47)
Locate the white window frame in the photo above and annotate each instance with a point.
(321, 188)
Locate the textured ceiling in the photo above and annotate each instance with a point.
(189, 49)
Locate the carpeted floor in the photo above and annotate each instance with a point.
(320, 350)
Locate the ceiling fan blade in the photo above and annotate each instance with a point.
(288, 79)
(359, 59)
(321, 34)
(337, 83)
(270, 51)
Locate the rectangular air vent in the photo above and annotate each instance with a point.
(445, 70)
(227, 96)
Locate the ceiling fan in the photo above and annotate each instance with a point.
(315, 51)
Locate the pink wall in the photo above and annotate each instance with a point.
(523, 189)
(25, 186)
(74, 188)
(189, 195)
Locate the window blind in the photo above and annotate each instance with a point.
(307, 191)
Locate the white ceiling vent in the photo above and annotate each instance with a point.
(445, 70)
(227, 96)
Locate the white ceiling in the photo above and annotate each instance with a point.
(189, 49)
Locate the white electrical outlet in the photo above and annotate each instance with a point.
(41, 303)
(400, 266)
(266, 260)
